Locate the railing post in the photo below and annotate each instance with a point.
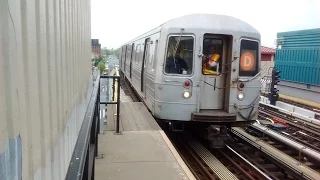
(98, 124)
(118, 104)
(113, 88)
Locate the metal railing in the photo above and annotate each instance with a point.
(117, 102)
(82, 163)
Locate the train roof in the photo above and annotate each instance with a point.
(210, 21)
(220, 23)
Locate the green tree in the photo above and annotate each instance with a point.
(101, 67)
(97, 61)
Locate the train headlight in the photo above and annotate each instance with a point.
(240, 96)
(186, 94)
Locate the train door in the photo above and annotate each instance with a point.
(213, 76)
(143, 71)
(131, 59)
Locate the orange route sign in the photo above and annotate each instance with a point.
(247, 61)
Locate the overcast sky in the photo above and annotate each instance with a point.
(115, 22)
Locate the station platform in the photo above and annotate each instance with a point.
(141, 151)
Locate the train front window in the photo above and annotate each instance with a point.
(249, 58)
(212, 59)
(179, 58)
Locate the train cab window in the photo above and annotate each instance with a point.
(212, 59)
(179, 58)
(249, 58)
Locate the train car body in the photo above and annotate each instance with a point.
(171, 70)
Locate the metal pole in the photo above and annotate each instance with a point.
(107, 92)
(98, 127)
(98, 119)
(118, 104)
(98, 106)
(113, 88)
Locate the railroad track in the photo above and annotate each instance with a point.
(290, 120)
(299, 133)
(262, 161)
(198, 167)
(269, 158)
(297, 129)
(302, 157)
(206, 163)
(238, 165)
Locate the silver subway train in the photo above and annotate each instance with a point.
(197, 68)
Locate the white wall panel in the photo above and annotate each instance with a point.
(45, 85)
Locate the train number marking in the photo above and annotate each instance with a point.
(247, 61)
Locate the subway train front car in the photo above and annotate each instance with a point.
(199, 68)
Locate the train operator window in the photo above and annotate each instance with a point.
(179, 58)
(249, 58)
(212, 59)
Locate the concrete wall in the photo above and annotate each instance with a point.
(45, 85)
(302, 91)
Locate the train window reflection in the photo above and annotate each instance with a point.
(179, 58)
(211, 61)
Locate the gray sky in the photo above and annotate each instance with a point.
(115, 22)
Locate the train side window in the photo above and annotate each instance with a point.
(179, 58)
(150, 54)
(249, 58)
(129, 47)
(154, 62)
(122, 56)
(126, 57)
(137, 54)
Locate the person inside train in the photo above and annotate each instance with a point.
(175, 64)
(210, 62)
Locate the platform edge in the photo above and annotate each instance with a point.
(177, 156)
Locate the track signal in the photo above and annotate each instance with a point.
(276, 76)
(275, 79)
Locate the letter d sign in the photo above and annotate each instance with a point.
(247, 61)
